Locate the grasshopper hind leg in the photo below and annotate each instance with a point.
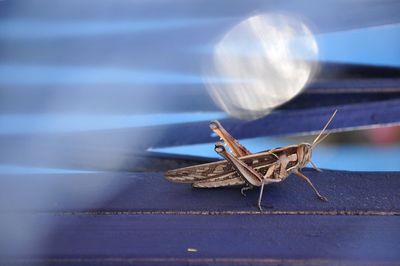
(237, 149)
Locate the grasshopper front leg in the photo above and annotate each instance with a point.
(301, 175)
(315, 167)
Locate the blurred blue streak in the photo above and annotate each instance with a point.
(30, 29)
(7, 169)
(58, 123)
(374, 45)
(58, 75)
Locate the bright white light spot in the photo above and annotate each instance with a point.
(271, 56)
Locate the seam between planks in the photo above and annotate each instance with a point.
(212, 213)
(229, 261)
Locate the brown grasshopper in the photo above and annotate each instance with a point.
(241, 167)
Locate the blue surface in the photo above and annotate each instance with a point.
(137, 218)
(348, 193)
(218, 239)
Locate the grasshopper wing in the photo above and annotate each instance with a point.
(232, 179)
(198, 173)
(221, 173)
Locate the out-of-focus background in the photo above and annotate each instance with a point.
(72, 66)
(79, 79)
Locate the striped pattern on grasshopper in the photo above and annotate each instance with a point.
(241, 167)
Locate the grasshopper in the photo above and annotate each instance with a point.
(241, 167)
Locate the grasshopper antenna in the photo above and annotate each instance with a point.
(316, 142)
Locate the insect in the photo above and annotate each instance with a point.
(241, 167)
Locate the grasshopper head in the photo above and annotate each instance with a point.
(304, 153)
(304, 150)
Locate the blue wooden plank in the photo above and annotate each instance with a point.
(359, 193)
(140, 218)
(96, 147)
(207, 239)
(283, 122)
